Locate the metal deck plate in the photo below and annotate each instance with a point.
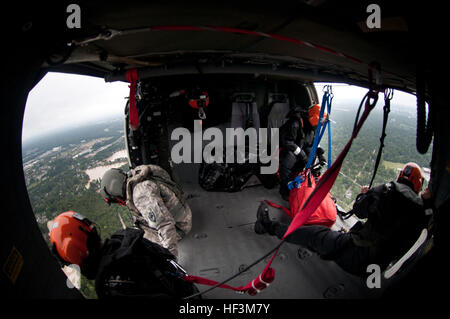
(222, 241)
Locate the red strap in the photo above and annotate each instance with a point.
(252, 288)
(261, 282)
(287, 211)
(208, 282)
(278, 170)
(133, 115)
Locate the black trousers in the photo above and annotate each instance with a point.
(330, 245)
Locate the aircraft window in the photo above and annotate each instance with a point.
(399, 148)
(73, 132)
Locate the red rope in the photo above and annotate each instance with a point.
(258, 34)
(285, 209)
(133, 115)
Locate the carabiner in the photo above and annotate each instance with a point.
(327, 89)
(375, 78)
(375, 82)
(388, 93)
(177, 266)
(374, 96)
(201, 113)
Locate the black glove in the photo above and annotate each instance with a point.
(322, 161)
(300, 153)
(302, 156)
(320, 153)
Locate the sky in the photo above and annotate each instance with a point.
(61, 101)
(344, 92)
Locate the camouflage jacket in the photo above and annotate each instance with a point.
(158, 206)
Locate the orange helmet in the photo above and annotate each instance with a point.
(69, 236)
(412, 172)
(314, 114)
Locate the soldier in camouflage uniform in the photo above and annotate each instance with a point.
(157, 203)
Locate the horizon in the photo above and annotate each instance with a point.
(84, 100)
(48, 134)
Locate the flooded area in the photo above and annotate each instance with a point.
(116, 155)
(86, 147)
(92, 154)
(97, 172)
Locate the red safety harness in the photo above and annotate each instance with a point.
(324, 215)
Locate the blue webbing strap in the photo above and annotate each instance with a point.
(320, 130)
(326, 103)
(329, 129)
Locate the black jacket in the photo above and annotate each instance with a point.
(395, 218)
(130, 266)
(293, 135)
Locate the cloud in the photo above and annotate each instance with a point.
(61, 101)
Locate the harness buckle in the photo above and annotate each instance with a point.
(388, 93)
(297, 182)
(178, 268)
(201, 113)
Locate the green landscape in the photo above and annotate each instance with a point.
(357, 169)
(62, 170)
(57, 181)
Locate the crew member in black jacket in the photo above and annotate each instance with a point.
(124, 266)
(395, 216)
(296, 141)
